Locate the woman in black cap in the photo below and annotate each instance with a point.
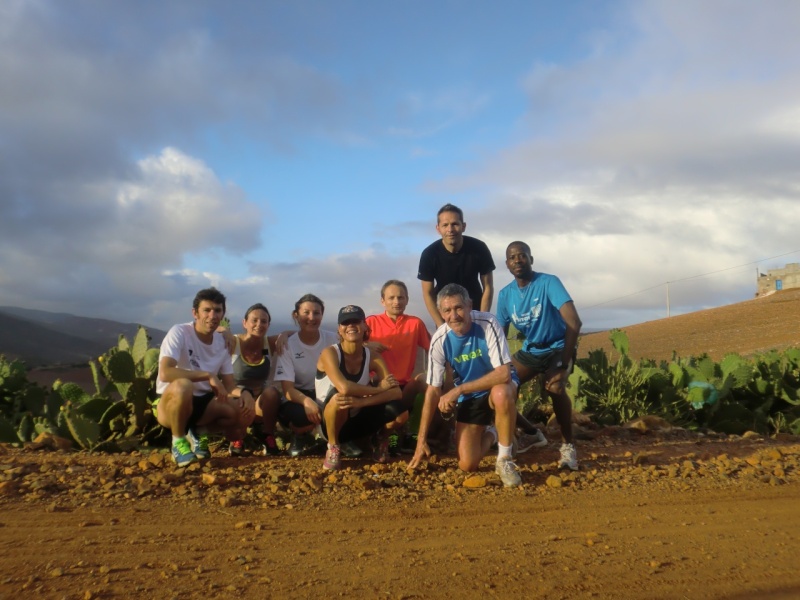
(353, 409)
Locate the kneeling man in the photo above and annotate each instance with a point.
(485, 392)
(195, 381)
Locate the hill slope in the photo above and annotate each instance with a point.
(757, 325)
(44, 338)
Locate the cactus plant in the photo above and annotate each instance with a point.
(85, 432)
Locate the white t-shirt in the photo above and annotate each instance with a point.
(182, 344)
(298, 362)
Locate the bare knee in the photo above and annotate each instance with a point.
(467, 465)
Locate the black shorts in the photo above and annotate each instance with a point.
(199, 405)
(475, 411)
(542, 362)
(367, 420)
(294, 414)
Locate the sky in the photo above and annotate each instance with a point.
(150, 149)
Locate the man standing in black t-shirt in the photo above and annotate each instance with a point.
(456, 258)
(464, 260)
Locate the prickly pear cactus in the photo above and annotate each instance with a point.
(73, 393)
(86, 433)
(8, 433)
(139, 345)
(120, 368)
(95, 408)
(25, 429)
(150, 363)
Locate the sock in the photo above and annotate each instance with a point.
(503, 451)
(175, 438)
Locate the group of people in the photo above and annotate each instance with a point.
(340, 389)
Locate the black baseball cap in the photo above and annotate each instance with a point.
(351, 312)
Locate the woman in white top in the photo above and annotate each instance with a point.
(297, 367)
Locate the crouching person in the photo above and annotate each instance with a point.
(195, 381)
(353, 409)
(483, 400)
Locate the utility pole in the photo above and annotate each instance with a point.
(668, 299)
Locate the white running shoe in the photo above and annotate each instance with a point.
(569, 458)
(508, 471)
(526, 441)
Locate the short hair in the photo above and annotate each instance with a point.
(211, 294)
(450, 208)
(396, 282)
(309, 298)
(523, 244)
(450, 290)
(257, 306)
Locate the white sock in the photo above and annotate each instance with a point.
(175, 438)
(503, 451)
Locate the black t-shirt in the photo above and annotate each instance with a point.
(463, 267)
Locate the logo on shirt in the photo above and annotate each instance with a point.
(299, 355)
(468, 356)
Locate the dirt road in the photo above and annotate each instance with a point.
(656, 515)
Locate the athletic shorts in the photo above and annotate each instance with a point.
(542, 362)
(475, 411)
(294, 414)
(199, 405)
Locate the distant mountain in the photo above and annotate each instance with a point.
(42, 338)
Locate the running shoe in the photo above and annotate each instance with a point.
(333, 459)
(270, 445)
(351, 449)
(508, 471)
(199, 444)
(303, 444)
(182, 452)
(569, 458)
(526, 441)
(236, 448)
(394, 445)
(409, 445)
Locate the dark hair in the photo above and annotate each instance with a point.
(522, 244)
(211, 294)
(396, 282)
(307, 298)
(257, 306)
(450, 208)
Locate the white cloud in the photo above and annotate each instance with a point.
(662, 156)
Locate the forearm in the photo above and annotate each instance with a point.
(573, 324)
(292, 394)
(356, 389)
(432, 396)
(482, 384)
(486, 298)
(170, 374)
(381, 397)
(433, 310)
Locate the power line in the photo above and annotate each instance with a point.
(755, 262)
